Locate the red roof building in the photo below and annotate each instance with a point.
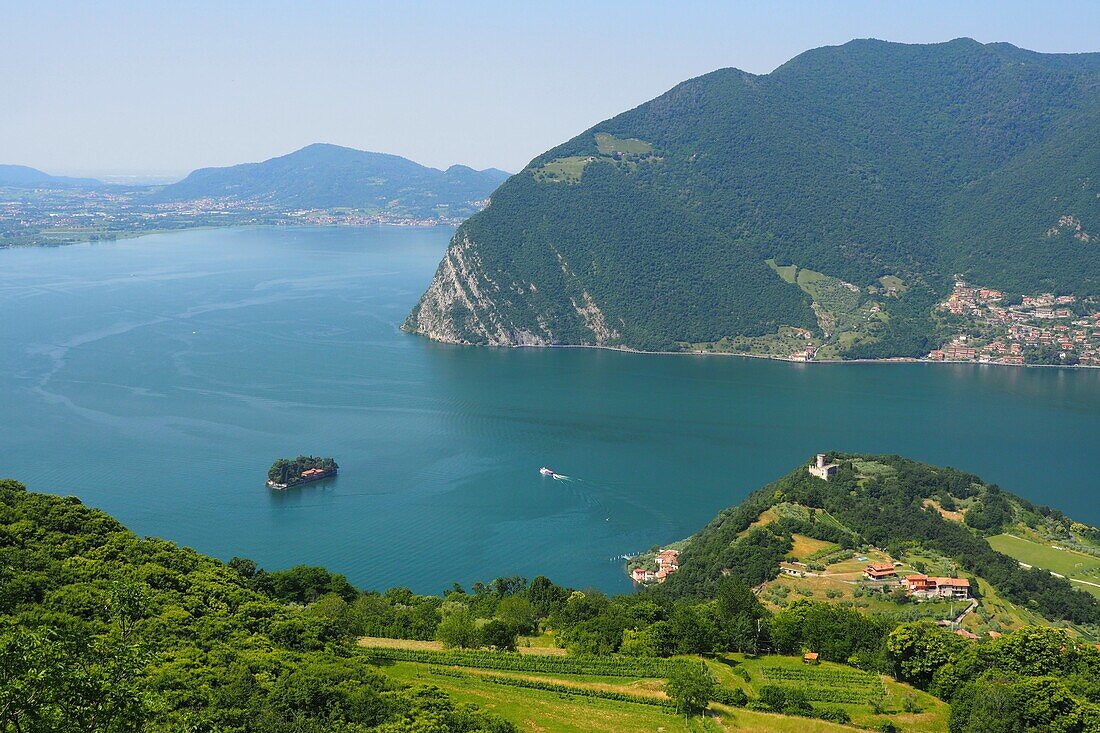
(880, 571)
(937, 587)
(668, 558)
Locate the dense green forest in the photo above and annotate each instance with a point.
(857, 161)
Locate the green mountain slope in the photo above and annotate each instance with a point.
(871, 159)
(324, 176)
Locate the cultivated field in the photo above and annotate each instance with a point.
(1077, 566)
(617, 693)
(859, 693)
(527, 645)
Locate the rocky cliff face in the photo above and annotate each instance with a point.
(465, 304)
(459, 307)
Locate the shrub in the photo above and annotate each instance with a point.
(833, 715)
(735, 697)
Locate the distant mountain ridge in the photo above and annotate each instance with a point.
(654, 229)
(21, 176)
(322, 176)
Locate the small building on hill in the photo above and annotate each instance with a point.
(793, 569)
(821, 469)
(809, 658)
(880, 571)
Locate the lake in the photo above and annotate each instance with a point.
(158, 378)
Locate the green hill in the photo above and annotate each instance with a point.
(913, 162)
(324, 176)
(900, 506)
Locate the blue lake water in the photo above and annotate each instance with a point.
(158, 378)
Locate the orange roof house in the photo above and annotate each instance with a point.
(880, 570)
(668, 558)
(928, 586)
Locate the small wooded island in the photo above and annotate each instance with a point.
(287, 472)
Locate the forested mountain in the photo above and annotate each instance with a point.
(21, 176)
(652, 229)
(324, 176)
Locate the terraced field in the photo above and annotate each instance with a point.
(567, 694)
(859, 693)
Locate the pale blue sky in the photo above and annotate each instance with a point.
(163, 87)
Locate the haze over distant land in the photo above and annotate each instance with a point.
(361, 75)
(319, 184)
(21, 176)
(326, 176)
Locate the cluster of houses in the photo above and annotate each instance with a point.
(920, 586)
(925, 586)
(1038, 322)
(668, 562)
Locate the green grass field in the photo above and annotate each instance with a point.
(563, 170)
(893, 282)
(609, 144)
(784, 342)
(539, 710)
(787, 272)
(1074, 565)
(554, 712)
(580, 702)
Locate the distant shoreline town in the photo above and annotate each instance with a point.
(72, 217)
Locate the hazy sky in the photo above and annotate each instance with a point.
(162, 87)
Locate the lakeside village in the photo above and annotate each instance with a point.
(1041, 329)
(883, 577)
(60, 216)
